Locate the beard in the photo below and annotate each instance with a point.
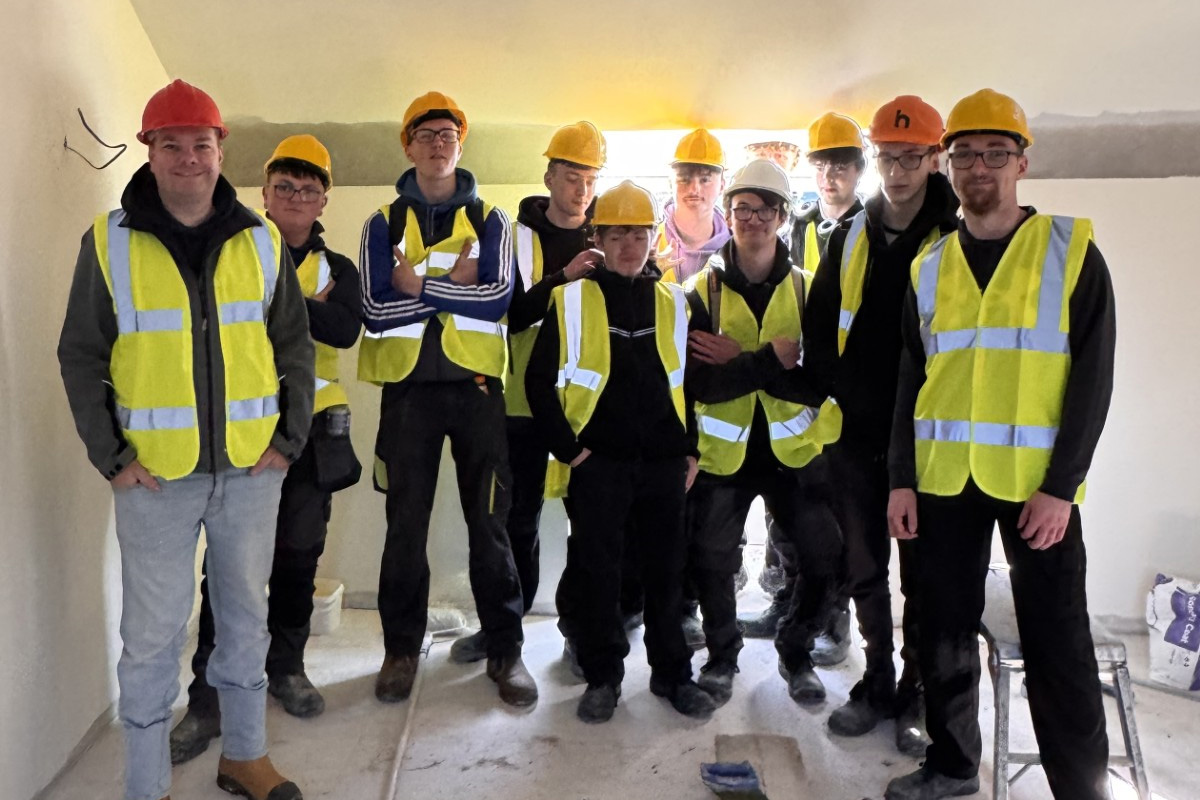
(980, 199)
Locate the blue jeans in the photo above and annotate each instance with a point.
(157, 533)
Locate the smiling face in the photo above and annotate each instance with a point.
(186, 162)
(697, 187)
(980, 188)
(436, 158)
(753, 233)
(294, 201)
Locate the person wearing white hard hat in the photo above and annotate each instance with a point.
(757, 433)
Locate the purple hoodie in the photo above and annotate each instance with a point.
(692, 261)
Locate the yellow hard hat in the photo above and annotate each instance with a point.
(433, 101)
(306, 148)
(987, 110)
(700, 147)
(626, 204)
(581, 143)
(831, 130)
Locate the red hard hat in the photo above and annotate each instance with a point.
(180, 105)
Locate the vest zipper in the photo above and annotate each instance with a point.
(208, 361)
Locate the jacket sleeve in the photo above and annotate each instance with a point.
(383, 307)
(902, 454)
(487, 299)
(745, 373)
(1089, 389)
(287, 329)
(821, 313)
(541, 380)
(529, 305)
(337, 321)
(84, 353)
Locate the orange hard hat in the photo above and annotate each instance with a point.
(907, 119)
(180, 105)
(433, 101)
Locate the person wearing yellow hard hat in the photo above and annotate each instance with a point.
(189, 370)
(298, 175)
(691, 229)
(1006, 376)
(852, 348)
(437, 279)
(552, 238)
(605, 384)
(756, 433)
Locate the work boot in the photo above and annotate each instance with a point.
(716, 678)
(633, 621)
(803, 684)
(741, 579)
(255, 779)
(395, 680)
(873, 698)
(771, 579)
(571, 659)
(911, 736)
(766, 624)
(297, 695)
(191, 736)
(598, 703)
(685, 697)
(469, 649)
(693, 631)
(833, 644)
(925, 784)
(516, 684)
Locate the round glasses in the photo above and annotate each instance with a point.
(992, 159)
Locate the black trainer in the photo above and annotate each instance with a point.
(686, 697)
(925, 784)
(191, 736)
(803, 684)
(469, 649)
(598, 703)
(297, 695)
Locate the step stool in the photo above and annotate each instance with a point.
(999, 631)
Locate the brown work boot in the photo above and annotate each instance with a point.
(395, 680)
(255, 779)
(516, 684)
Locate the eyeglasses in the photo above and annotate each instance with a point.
(907, 161)
(427, 135)
(992, 159)
(835, 170)
(764, 213)
(306, 194)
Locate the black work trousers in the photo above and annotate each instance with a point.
(953, 548)
(860, 494)
(300, 531)
(415, 420)
(800, 503)
(604, 496)
(527, 458)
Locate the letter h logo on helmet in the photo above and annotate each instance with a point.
(902, 117)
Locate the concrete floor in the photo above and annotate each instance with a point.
(454, 739)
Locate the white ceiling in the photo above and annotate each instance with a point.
(639, 64)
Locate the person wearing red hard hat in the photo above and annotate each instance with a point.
(192, 406)
(1006, 374)
(852, 345)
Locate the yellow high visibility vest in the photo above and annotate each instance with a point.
(584, 357)
(724, 428)
(474, 344)
(996, 362)
(663, 251)
(314, 276)
(151, 362)
(529, 265)
(812, 248)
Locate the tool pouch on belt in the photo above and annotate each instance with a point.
(336, 465)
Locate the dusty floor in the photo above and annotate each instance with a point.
(454, 739)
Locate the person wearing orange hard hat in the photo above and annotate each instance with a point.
(617, 425)
(298, 175)
(193, 407)
(437, 278)
(852, 347)
(691, 229)
(1006, 375)
(552, 237)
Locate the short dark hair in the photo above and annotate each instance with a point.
(437, 113)
(840, 155)
(297, 168)
(687, 169)
(1016, 137)
(554, 162)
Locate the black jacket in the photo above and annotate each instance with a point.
(810, 214)
(863, 379)
(337, 321)
(1092, 338)
(559, 246)
(635, 417)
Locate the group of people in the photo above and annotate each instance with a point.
(939, 354)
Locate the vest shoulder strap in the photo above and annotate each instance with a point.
(800, 285)
(714, 299)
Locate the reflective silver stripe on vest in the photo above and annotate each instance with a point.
(269, 262)
(411, 331)
(942, 430)
(241, 311)
(156, 419)
(720, 429)
(675, 377)
(993, 433)
(796, 426)
(253, 408)
(321, 383)
(478, 325)
(1045, 338)
(443, 261)
(857, 226)
(525, 254)
(573, 317)
(129, 318)
(324, 274)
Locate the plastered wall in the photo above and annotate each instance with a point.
(59, 571)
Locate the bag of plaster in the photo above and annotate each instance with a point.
(1173, 614)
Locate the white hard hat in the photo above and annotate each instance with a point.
(761, 175)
